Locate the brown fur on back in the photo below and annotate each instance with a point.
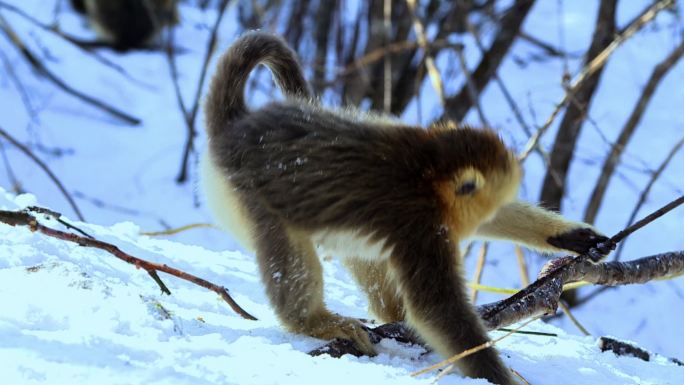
(316, 168)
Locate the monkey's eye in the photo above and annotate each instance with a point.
(466, 188)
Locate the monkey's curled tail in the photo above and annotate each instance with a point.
(225, 100)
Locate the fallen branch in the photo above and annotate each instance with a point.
(541, 297)
(621, 348)
(24, 218)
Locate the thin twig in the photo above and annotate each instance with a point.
(644, 194)
(25, 97)
(86, 47)
(522, 265)
(598, 62)
(457, 106)
(477, 277)
(43, 70)
(177, 229)
(23, 218)
(16, 185)
(504, 90)
(646, 220)
(392, 48)
(58, 217)
(387, 60)
(433, 72)
(191, 116)
(450, 361)
(566, 310)
(544, 46)
(613, 158)
(470, 86)
(520, 377)
(45, 168)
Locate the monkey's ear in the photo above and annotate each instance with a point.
(469, 181)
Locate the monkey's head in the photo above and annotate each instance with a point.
(475, 176)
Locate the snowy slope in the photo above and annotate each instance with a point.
(75, 315)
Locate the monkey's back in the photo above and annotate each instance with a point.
(314, 167)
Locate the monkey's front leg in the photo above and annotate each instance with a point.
(293, 276)
(437, 307)
(543, 230)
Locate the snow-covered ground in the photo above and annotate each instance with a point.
(63, 319)
(77, 315)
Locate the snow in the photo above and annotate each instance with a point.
(77, 315)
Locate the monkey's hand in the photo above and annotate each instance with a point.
(583, 241)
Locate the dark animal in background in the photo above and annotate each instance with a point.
(392, 200)
(128, 24)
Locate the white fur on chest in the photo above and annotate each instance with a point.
(349, 244)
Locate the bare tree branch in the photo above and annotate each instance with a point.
(191, 116)
(43, 70)
(24, 218)
(324, 16)
(544, 46)
(613, 158)
(563, 150)
(392, 48)
(45, 168)
(479, 269)
(457, 106)
(429, 60)
(85, 46)
(473, 94)
(598, 62)
(504, 90)
(25, 97)
(642, 197)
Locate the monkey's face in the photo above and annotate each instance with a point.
(474, 194)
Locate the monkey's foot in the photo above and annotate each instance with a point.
(331, 326)
(583, 241)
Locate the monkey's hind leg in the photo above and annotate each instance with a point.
(293, 276)
(375, 280)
